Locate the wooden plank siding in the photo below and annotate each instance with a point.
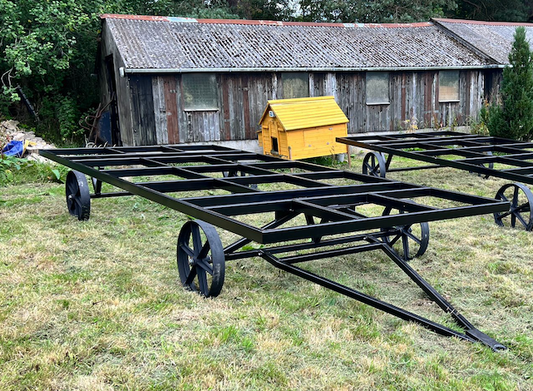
(142, 108)
(158, 116)
(170, 92)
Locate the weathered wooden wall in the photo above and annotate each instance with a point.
(109, 49)
(153, 109)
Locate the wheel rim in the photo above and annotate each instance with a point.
(520, 200)
(408, 241)
(77, 195)
(374, 164)
(200, 258)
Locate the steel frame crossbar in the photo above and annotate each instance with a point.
(312, 195)
(468, 152)
(258, 184)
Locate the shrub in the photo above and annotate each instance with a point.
(514, 118)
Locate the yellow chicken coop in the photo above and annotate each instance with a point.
(302, 128)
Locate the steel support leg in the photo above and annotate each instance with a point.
(470, 334)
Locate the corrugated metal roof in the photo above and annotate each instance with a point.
(303, 113)
(495, 39)
(194, 44)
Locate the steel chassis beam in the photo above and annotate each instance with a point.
(186, 169)
(433, 148)
(371, 242)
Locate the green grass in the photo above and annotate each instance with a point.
(97, 305)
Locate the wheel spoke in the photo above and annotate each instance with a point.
(187, 249)
(202, 281)
(393, 241)
(413, 237)
(504, 215)
(405, 245)
(204, 250)
(503, 197)
(515, 197)
(72, 187)
(190, 277)
(521, 219)
(77, 200)
(204, 265)
(196, 239)
(523, 207)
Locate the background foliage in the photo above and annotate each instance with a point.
(513, 118)
(48, 47)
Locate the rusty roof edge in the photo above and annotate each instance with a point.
(482, 22)
(179, 19)
(333, 69)
(464, 42)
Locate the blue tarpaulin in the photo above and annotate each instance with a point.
(14, 148)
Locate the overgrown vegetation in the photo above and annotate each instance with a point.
(48, 48)
(97, 305)
(513, 116)
(17, 171)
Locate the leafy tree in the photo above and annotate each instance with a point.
(494, 10)
(514, 118)
(43, 45)
(378, 11)
(48, 48)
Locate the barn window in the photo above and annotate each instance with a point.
(295, 85)
(199, 91)
(377, 88)
(449, 86)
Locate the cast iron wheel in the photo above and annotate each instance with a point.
(233, 173)
(200, 257)
(374, 164)
(521, 208)
(409, 241)
(78, 196)
(486, 165)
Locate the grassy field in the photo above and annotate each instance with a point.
(97, 305)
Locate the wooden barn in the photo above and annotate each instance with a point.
(302, 128)
(180, 80)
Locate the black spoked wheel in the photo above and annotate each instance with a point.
(374, 164)
(486, 165)
(234, 173)
(200, 256)
(231, 173)
(408, 241)
(521, 208)
(78, 196)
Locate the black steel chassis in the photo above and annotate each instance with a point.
(313, 219)
(487, 156)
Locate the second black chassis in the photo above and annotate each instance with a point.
(485, 155)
